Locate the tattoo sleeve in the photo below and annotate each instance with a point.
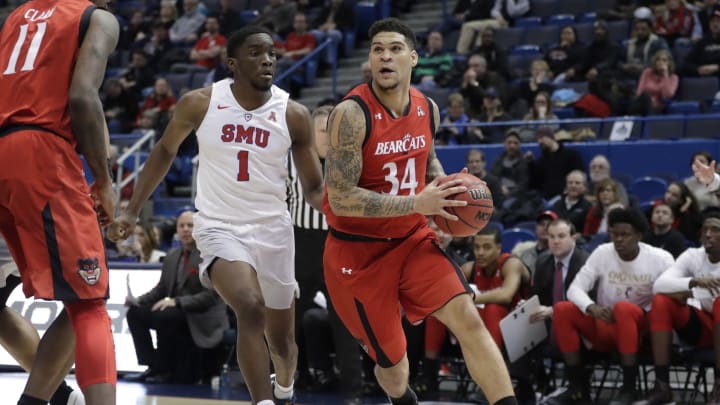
(434, 167)
(343, 167)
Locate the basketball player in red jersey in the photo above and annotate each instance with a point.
(380, 256)
(52, 61)
(243, 228)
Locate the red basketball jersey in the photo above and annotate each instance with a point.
(487, 283)
(395, 156)
(39, 45)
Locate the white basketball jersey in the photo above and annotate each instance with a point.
(242, 171)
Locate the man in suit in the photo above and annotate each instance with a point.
(186, 316)
(556, 267)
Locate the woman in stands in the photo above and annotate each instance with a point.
(685, 207)
(143, 244)
(658, 83)
(565, 59)
(606, 198)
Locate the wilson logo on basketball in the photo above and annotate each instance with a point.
(479, 194)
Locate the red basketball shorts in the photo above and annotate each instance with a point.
(371, 284)
(48, 220)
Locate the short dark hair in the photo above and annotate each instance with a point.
(711, 212)
(494, 231)
(702, 153)
(394, 25)
(628, 216)
(565, 221)
(238, 37)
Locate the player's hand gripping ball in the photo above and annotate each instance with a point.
(472, 217)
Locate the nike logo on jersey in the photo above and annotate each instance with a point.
(222, 107)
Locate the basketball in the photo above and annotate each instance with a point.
(475, 215)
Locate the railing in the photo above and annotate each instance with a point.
(284, 75)
(132, 152)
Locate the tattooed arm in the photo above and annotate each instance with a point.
(434, 167)
(343, 167)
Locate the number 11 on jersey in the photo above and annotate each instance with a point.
(32, 52)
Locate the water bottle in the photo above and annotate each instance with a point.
(225, 377)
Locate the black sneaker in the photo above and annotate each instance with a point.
(571, 396)
(661, 394)
(281, 401)
(626, 396)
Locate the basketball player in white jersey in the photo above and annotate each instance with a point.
(243, 229)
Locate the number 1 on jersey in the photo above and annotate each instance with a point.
(32, 52)
(243, 172)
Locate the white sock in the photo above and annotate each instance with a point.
(283, 392)
(266, 402)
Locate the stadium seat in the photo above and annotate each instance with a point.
(561, 20)
(665, 127)
(178, 81)
(683, 107)
(512, 236)
(495, 224)
(715, 106)
(248, 16)
(198, 80)
(585, 32)
(648, 188)
(528, 22)
(564, 112)
(545, 8)
(542, 36)
(529, 225)
(588, 17)
(439, 95)
(365, 15)
(526, 50)
(697, 88)
(507, 38)
(701, 127)
(618, 30)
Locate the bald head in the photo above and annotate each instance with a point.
(184, 228)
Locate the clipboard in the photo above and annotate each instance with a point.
(521, 336)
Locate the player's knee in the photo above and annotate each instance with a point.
(249, 309)
(283, 346)
(626, 310)
(95, 349)
(563, 310)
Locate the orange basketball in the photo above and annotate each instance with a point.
(475, 215)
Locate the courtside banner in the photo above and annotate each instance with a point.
(123, 277)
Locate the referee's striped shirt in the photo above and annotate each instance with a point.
(303, 215)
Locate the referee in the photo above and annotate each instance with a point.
(310, 231)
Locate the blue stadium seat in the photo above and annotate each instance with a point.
(542, 36)
(497, 225)
(545, 8)
(248, 16)
(529, 225)
(648, 188)
(178, 81)
(525, 22)
(507, 38)
(665, 127)
(683, 107)
(439, 95)
(365, 14)
(585, 32)
(590, 17)
(526, 50)
(618, 30)
(561, 20)
(511, 237)
(198, 80)
(698, 88)
(564, 112)
(701, 127)
(715, 106)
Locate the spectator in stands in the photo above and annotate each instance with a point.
(298, 43)
(168, 13)
(623, 273)
(528, 252)
(658, 83)
(704, 13)
(547, 173)
(209, 48)
(475, 163)
(676, 21)
(554, 272)
(143, 245)
(184, 30)
(661, 233)
(454, 121)
(228, 18)
(607, 198)
(540, 110)
(120, 106)
(704, 196)
(540, 81)
(704, 58)
(134, 31)
(641, 49)
(510, 167)
(495, 56)
(278, 16)
(488, 13)
(602, 55)
(160, 102)
(600, 169)
(476, 79)
(573, 206)
(685, 208)
(493, 111)
(696, 273)
(334, 19)
(566, 58)
(185, 315)
(139, 74)
(434, 64)
(156, 47)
